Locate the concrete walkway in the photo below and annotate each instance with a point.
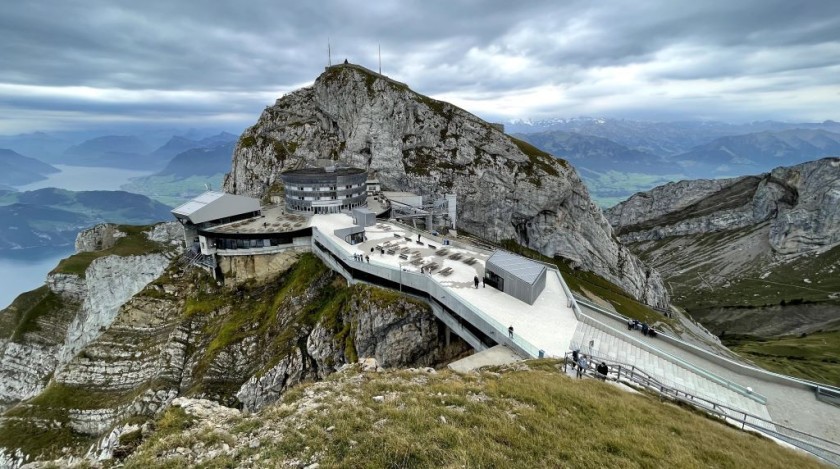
(494, 356)
(787, 405)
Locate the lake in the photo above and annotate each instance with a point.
(26, 269)
(84, 178)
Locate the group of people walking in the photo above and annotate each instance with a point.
(581, 364)
(361, 258)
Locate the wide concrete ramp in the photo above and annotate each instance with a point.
(494, 356)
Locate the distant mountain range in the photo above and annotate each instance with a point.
(617, 158)
(51, 217)
(596, 153)
(131, 153)
(145, 150)
(737, 155)
(187, 174)
(16, 169)
(206, 161)
(659, 138)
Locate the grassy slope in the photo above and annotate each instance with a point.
(814, 356)
(761, 286)
(535, 417)
(134, 244)
(273, 314)
(23, 315)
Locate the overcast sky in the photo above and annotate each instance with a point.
(68, 64)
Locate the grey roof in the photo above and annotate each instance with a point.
(362, 210)
(213, 205)
(342, 232)
(521, 267)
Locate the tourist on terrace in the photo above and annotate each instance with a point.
(475, 280)
(510, 332)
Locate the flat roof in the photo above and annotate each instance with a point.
(521, 267)
(390, 194)
(549, 324)
(323, 172)
(214, 205)
(274, 220)
(342, 232)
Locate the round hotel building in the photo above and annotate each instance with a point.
(325, 190)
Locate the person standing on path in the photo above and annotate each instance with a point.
(510, 332)
(582, 364)
(475, 280)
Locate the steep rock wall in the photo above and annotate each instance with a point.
(506, 189)
(184, 334)
(72, 312)
(801, 203)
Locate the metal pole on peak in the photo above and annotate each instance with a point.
(380, 58)
(329, 53)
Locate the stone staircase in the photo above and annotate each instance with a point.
(612, 347)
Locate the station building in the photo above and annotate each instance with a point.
(325, 190)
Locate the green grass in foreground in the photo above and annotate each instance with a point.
(524, 418)
(815, 356)
(134, 244)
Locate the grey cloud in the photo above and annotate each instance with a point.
(435, 46)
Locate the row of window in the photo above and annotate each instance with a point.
(347, 196)
(326, 188)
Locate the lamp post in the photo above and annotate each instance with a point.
(401, 270)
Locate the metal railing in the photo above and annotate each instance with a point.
(822, 448)
(728, 384)
(823, 392)
(432, 287)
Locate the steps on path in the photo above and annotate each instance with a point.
(593, 341)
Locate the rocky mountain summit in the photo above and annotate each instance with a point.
(507, 189)
(750, 255)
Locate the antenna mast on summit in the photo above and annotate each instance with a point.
(380, 58)
(329, 53)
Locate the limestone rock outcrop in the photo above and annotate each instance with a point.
(81, 306)
(801, 204)
(506, 188)
(754, 255)
(93, 364)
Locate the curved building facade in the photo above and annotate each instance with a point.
(325, 190)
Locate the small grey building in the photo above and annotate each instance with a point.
(351, 235)
(515, 275)
(364, 217)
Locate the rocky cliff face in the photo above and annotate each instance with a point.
(80, 307)
(183, 334)
(751, 255)
(801, 204)
(506, 188)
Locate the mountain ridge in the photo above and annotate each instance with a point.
(507, 188)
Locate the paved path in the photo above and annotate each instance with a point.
(787, 405)
(494, 356)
